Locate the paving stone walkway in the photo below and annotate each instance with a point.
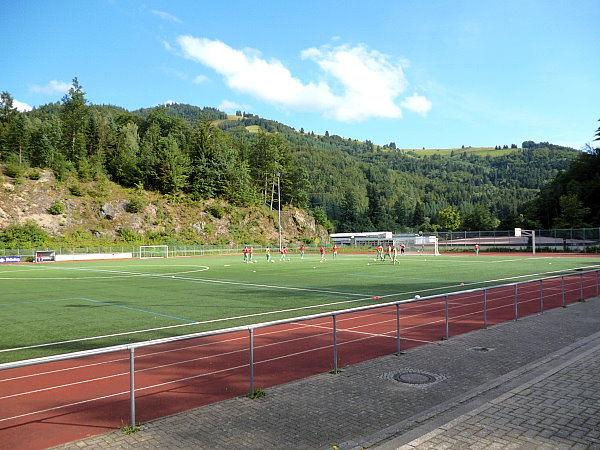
(536, 384)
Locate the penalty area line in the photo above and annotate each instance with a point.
(137, 309)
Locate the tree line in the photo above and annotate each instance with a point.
(174, 149)
(348, 185)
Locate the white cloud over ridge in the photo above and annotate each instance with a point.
(53, 87)
(21, 106)
(417, 104)
(365, 83)
(228, 105)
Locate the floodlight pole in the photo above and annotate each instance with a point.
(279, 206)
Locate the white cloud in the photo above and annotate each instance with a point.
(167, 46)
(53, 87)
(166, 16)
(200, 79)
(21, 106)
(369, 79)
(366, 82)
(228, 106)
(417, 104)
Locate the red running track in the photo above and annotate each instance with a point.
(49, 404)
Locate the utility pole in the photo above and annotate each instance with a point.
(279, 206)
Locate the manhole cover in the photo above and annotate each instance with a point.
(481, 349)
(414, 378)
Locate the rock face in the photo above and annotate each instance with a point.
(99, 208)
(107, 211)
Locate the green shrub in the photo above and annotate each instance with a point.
(14, 170)
(135, 204)
(33, 174)
(128, 235)
(76, 190)
(26, 235)
(57, 208)
(216, 210)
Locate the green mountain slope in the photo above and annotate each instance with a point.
(202, 154)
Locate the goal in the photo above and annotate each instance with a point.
(420, 245)
(154, 251)
(45, 255)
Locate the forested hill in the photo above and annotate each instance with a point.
(366, 186)
(348, 185)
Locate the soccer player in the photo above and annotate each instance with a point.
(402, 248)
(335, 249)
(388, 252)
(283, 251)
(268, 253)
(395, 255)
(245, 254)
(379, 252)
(476, 249)
(322, 252)
(250, 250)
(302, 252)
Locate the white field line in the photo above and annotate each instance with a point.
(364, 298)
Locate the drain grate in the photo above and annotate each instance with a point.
(481, 349)
(413, 377)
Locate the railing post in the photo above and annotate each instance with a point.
(335, 358)
(542, 296)
(446, 313)
(398, 329)
(516, 301)
(251, 357)
(132, 385)
(485, 308)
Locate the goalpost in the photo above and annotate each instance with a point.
(421, 245)
(154, 251)
(526, 233)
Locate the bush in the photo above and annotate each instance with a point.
(34, 174)
(27, 235)
(76, 190)
(56, 208)
(135, 205)
(128, 235)
(14, 170)
(216, 210)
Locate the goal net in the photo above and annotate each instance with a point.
(45, 255)
(420, 245)
(154, 251)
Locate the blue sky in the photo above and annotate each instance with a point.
(433, 74)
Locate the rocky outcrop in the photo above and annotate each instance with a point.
(100, 208)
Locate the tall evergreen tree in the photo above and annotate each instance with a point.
(74, 119)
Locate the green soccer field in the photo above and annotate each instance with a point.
(78, 306)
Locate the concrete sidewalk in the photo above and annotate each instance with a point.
(533, 383)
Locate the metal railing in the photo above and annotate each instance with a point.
(567, 288)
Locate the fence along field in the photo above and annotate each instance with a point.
(95, 393)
